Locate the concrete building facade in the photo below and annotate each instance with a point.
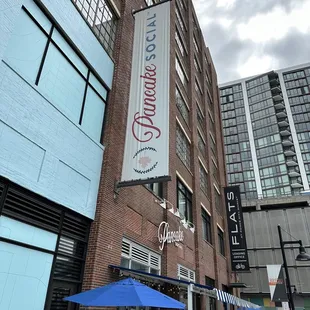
(267, 146)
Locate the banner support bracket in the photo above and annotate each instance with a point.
(133, 12)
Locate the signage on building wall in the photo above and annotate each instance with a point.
(236, 232)
(276, 283)
(166, 236)
(146, 152)
(203, 291)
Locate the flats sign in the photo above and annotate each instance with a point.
(236, 232)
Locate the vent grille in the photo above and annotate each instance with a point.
(68, 268)
(35, 210)
(155, 261)
(192, 275)
(186, 273)
(1, 190)
(71, 247)
(73, 226)
(139, 255)
(31, 210)
(126, 248)
(59, 293)
(183, 272)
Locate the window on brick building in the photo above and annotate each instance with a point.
(180, 70)
(200, 117)
(157, 188)
(221, 242)
(208, 79)
(182, 147)
(179, 43)
(213, 145)
(184, 198)
(206, 225)
(179, 19)
(212, 301)
(212, 126)
(186, 273)
(196, 44)
(204, 186)
(201, 144)
(197, 65)
(198, 88)
(181, 105)
(225, 289)
(218, 201)
(137, 257)
(181, 4)
(101, 19)
(210, 281)
(210, 104)
(215, 170)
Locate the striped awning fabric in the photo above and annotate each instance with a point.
(233, 300)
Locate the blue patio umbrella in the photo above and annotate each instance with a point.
(124, 293)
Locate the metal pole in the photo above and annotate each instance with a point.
(289, 288)
(208, 303)
(190, 297)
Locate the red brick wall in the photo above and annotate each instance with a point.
(134, 211)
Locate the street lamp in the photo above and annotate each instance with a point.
(302, 256)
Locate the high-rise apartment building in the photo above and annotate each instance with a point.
(266, 123)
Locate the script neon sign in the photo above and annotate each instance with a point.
(166, 236)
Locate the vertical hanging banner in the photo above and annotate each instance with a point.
(236, 232)
(276, 283)
(146, 154)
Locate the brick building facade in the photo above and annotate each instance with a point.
(64, 88)
(196, 159)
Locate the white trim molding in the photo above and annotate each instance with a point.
(219, 226)
(184, 182)
(251, 140)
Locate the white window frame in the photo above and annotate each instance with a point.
(191, 276)
(152, 256)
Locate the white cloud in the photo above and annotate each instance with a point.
(249, 37)
(205, 21)
(201, 6)
(276, 24)
(256, 65)
(225, 22)
(225, 3)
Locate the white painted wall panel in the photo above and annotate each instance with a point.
(40, 148)
(43, 150)
(17, 150)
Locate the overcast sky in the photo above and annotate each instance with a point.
(248, 37)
